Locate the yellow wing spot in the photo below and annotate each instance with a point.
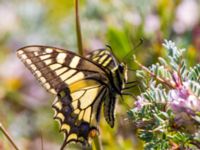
(59, 50)
(76, 77)
(67, 74)
(20, 52)
(52, 91)
(82, 84)
(77, 111)
(38, 73)
(107, 62)
(75, 104)
(28, 61)
(58, 105)
(80, 117)
(45, 57)
(55, 100)
(36, 53)
(72, 136)
(65, 127)
(88, 98)
(103, 58)
(42, 79)
(47, 86)
(48, 61)
(77, 95)
(74, 62)
(55, 112)
(61, 70)
(23, 56)
(55, 66)
(48, 50)
(33, 67)
(61, 57)
(96, 58)
(101, 53)
(87, 114)
(61, 116)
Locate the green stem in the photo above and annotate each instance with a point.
(96, 140)
(8, 137)
(97, 143)
(78, 29)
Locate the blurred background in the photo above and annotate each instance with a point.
(25, 107)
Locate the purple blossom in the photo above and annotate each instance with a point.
(183, 103)
(140, 102)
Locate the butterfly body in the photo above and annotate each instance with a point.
(82, 85)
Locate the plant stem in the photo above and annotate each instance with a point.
(97, 143)
(78, 29)
(152, 74)
(8, 137)
(96, 139)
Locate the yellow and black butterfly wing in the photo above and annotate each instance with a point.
(80, 86)
(104, 58)
(54, 67)
(77, 112)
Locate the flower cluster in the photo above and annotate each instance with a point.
(166, 113)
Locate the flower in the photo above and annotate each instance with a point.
(184, 20)
(184, 104)
(140, 103)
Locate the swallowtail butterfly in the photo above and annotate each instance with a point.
(82, 85)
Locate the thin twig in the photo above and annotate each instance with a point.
(152, 74)
(96, 140)
(8, 137)
(78, 29)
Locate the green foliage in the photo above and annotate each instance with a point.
(194, 73)
(119, 41)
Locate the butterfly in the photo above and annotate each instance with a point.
(83, 86)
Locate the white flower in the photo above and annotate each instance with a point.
(187, 16)
(152, 24)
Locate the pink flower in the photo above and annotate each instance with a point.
(183, 104)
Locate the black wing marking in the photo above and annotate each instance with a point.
(106, 59)
(109, 107)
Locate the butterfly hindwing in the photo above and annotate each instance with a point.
(104, 58)
(75, 111)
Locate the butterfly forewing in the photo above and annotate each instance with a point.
(53, 66)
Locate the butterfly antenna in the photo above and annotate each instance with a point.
(110, 48)
(131, 51)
